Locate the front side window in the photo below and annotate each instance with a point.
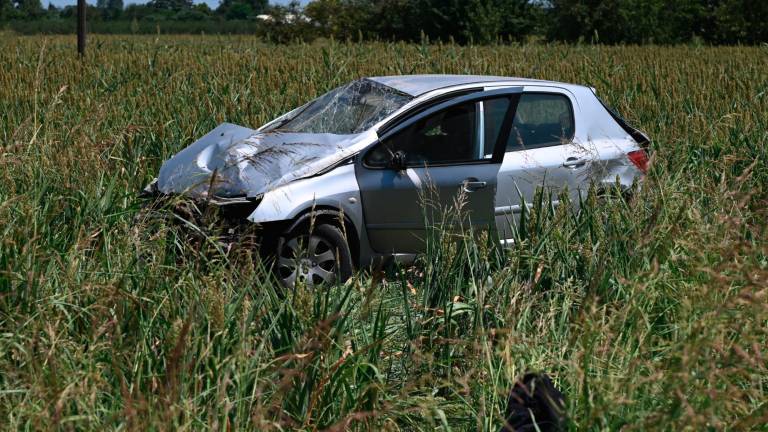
(462, 133)
(541, 120)
(349, 109)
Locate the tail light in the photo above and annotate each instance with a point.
(640, 159)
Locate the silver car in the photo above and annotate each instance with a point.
(340, 182)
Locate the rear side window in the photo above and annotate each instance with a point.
(541, 120)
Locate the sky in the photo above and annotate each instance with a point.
(212, 3)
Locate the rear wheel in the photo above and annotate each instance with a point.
(612, 194)
(320, 257)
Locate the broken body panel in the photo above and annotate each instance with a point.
(234, 161)
(293, 165)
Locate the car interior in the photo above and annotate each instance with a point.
(448, 136)
(541, 120)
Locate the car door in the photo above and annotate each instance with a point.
(415, 175)
(539, 154)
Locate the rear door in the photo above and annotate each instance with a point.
(450, 156)
(539, 154)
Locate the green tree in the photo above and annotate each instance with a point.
(29, 8)
(410, 19)
(288, 24)
(391, 20)
(461, 20)
(239, 10)
(627, 21)
(342, 19)
(491, 20)
(170, 5)
(203, 8)
(242, 8)
(7, 11)
(110, 9)
(138, 11)
(115, 5)
(741, 21)
(572, 20)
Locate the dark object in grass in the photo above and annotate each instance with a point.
(535, 404)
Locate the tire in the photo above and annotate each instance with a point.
(321, 257)
(607, 195)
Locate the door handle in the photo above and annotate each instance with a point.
(472, 184)
(574, 162)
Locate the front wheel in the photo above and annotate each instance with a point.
(320, 257)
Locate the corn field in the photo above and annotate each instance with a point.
(648, 314)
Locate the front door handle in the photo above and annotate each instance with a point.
(472, 184)
(574, 162)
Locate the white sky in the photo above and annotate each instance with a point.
(212, 3)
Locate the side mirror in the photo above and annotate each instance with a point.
(397, 162)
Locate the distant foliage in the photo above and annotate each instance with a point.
(175, 5)
(110, 9)
(242, 9)
(462, 21)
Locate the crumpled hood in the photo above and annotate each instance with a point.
(248, 163)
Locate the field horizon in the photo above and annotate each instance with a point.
(649, 314)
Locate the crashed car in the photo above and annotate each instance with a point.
(340, 180)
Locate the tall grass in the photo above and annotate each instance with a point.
(649, 314)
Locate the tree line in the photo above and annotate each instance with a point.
(461, 21)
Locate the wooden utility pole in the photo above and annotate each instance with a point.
(81, 27)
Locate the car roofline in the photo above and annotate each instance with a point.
(408, 83)
(503, 82)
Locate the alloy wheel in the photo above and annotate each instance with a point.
(309, 260)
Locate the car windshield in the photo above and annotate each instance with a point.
(349, 109)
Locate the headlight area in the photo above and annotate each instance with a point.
(150, 190)
(225, 214)
(236, 209)
(219, 219)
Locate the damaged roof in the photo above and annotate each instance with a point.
(417, 85)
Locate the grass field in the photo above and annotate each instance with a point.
(649, 315)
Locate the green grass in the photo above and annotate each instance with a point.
(650, 314)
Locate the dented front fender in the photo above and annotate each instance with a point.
(336, 189)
